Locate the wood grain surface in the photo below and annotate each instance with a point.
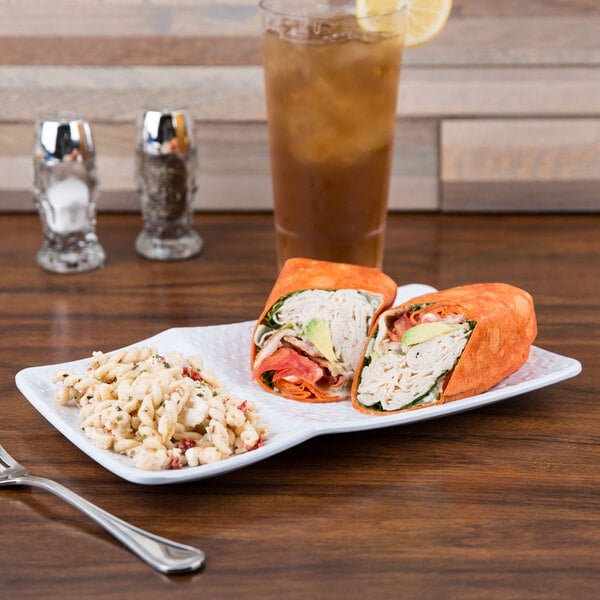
(213, 32)
(233, 167)
(555, 161)
(496, 503)
(110, 59)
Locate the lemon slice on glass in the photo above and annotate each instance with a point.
(426, 18)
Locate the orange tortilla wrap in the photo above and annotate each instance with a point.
(294, 363)
(499, 343)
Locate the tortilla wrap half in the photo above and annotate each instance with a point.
(444, 346)
(310, 336)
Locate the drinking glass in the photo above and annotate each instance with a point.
(331, 82)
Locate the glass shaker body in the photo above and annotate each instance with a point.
(166, 185)
(65, 189)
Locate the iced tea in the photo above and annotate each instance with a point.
(331, 87)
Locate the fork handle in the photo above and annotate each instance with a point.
(164, 555)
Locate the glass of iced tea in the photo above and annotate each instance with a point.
(331, 83)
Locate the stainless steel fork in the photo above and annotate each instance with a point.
(162, 554)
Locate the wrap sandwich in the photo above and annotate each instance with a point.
(444, 346)
(310, 336)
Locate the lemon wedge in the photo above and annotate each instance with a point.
(426, 18)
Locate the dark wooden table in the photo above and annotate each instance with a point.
(500, 502)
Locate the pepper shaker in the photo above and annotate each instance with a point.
(65, 187)
(166, 185)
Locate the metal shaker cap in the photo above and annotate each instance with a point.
(165, 132)
(63, 138)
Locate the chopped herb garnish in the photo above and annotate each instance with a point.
(267, 378)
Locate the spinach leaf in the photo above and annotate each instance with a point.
(269, 319)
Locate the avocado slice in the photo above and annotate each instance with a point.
(319, 333)
(424, 332)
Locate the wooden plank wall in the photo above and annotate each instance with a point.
(500, 113)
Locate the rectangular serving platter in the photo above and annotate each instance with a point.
(226, 350)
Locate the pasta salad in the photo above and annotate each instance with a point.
(163, 411)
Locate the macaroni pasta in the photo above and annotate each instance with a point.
(161, 410)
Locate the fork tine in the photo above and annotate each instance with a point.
(6, 460)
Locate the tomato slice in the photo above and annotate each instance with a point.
(296, 376)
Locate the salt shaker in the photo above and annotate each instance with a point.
(166, 185)
(65, 187)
